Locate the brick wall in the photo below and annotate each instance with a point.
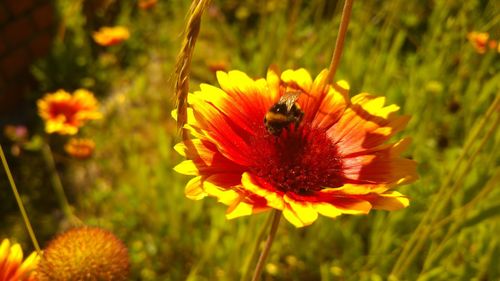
(26, 33)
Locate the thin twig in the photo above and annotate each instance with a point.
(339, 44)
(20, 202)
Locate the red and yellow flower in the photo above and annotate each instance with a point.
(12, 266)
(109, 36)
(336, 161)
(80, 148)
(64, 113)
(479, 41)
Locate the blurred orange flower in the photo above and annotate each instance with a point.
(109, 36)
(479, 41)
(492, 44)
(80, 148)
(147, 4)
(325, 154)
(12, 266)
(217, 65)
(64, 113)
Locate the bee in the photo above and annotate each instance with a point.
(283, 113)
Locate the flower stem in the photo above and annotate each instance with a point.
(57, 184)
(267, 247)
(253, 257)
(339, 44)
(19, 202)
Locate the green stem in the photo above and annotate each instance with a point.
(434, 254)
(57, 184)
(265, 252)
(19, 202)
(258, 241)
(339, 44)
(419, 236)
(470, 205)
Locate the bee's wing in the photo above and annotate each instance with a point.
(289, 99)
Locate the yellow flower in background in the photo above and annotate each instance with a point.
(84, 253)
(80, 148)
(479, 41)
(109, 36)
(64, 113)
(318, 152)
(12, 266)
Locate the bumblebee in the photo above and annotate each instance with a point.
(283, 113)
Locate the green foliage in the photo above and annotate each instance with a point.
(415, 53)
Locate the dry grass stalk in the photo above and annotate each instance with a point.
(183, 64)
(339, 44)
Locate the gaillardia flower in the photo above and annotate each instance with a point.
(331, 160)
(64, 113)
(12, 266)
(109, 36)
(80, 148)
(479, 41)
(84, 253)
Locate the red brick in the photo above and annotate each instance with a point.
(17, 32)
(41, 44)
(14, 63)
(43, 16)
(18, 7)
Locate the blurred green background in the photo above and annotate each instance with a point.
(415, 53)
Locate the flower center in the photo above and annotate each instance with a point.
(67, 109)
(302, 161)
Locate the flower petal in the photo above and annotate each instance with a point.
(390, 201)
(187, 167)
(239, 209)
(194, 189)
(216, 127)
(326, 209)
(243, 208)
(382, 166)
(273, 84)
(252, 97)
(330, 110)
(366, 124)
(325, 100)
(299, 78)
(299, 213)
(258, 186)
(206, 157)
(344, 201)
(221, 187)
